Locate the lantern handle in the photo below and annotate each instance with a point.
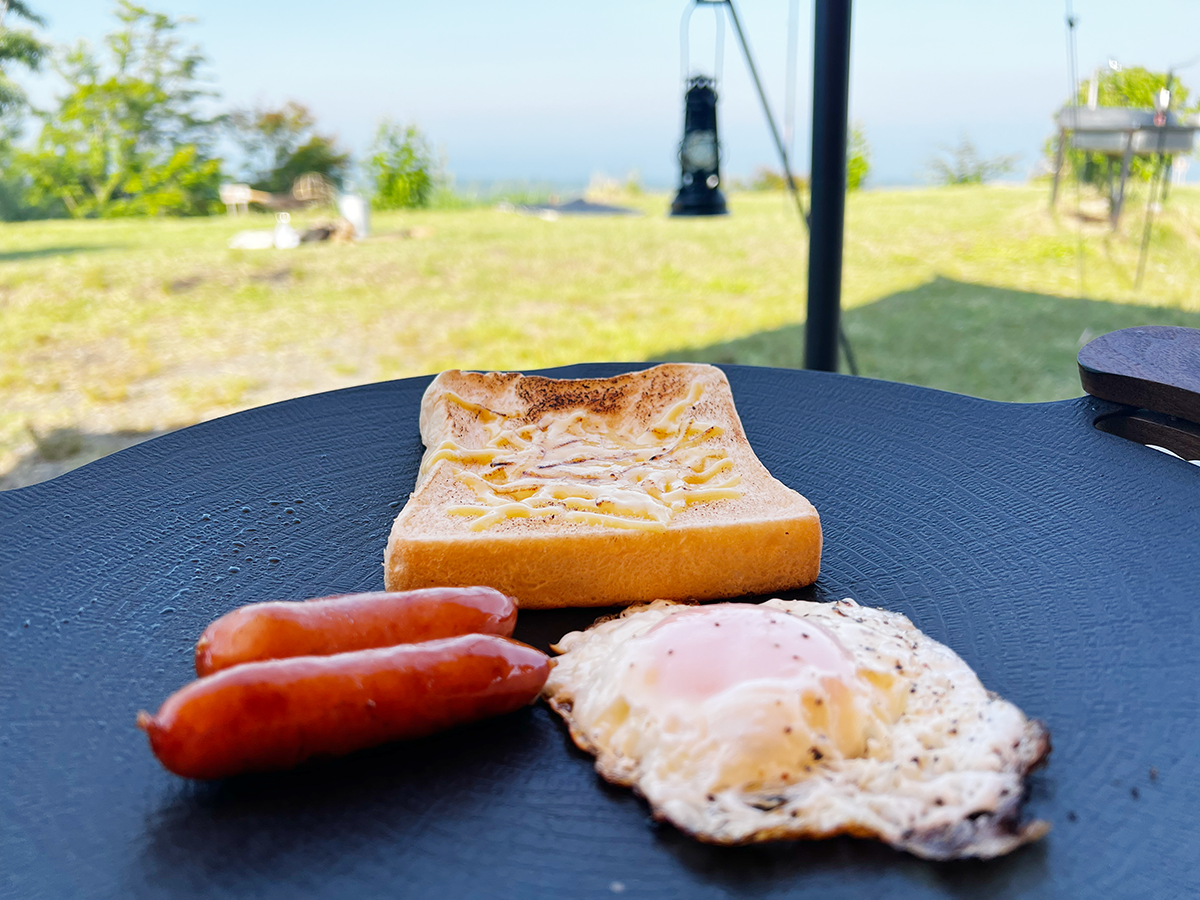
(685, 38)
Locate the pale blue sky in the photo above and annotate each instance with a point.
(557, 91)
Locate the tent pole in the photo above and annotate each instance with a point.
(831, 98)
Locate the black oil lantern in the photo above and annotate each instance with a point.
(700, 153)
(700, 150)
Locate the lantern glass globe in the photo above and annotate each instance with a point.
(699, 152)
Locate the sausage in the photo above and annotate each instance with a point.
(277, 714)
(351, 622)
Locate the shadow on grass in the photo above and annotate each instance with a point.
(973, 339)
(64, 449)
(63, 250)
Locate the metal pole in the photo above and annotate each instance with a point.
(1115, 214)
(1058, 164)
(762, 97)
(831, 99)
(1158, 171)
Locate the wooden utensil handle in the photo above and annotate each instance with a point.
(1152, 368)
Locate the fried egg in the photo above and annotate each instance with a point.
(750, 722)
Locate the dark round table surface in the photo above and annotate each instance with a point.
(1060, 562)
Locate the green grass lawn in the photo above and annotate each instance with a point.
(150, 325)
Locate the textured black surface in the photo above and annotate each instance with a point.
(1059, 561)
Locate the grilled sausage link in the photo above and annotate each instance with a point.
(330, 625)
(276, 714)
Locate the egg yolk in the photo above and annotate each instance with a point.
(698, 653)
(751, 696)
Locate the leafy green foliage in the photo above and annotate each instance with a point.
(858, 164)
(127, 137)
(17, 48)
(964, 165)
(858, 157)
(318, 154)
(280, 145)
(401, 166)
(1136, 87)
(20, 8)
(23, 48)
(767, 179)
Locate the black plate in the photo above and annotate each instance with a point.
(1059, 561)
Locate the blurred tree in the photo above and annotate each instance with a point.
(17, 48)
(858, 164)
(279, 145)
(20, 47)
(1133, 87)
(1136, 87)
(401, 166)
(767, 179)
(128, 138)
(964, 165)
(858, 157)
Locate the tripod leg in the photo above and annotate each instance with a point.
(1058, 164)
(1116, 209)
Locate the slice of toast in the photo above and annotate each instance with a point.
(597, 492)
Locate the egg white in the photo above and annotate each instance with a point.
(888, 735)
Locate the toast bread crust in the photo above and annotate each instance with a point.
(762, 537)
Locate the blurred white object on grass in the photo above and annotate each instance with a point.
(284, 237)
(252, 240)
(354, 209)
